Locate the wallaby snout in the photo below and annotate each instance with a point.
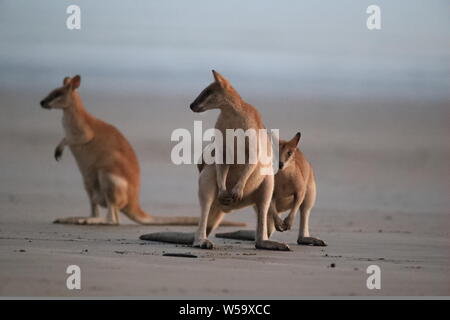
(44, 104)
(199, 104)
(194, 107)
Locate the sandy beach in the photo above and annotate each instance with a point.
(373, 107)
(381, 204)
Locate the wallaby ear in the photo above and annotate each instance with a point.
(66, 80)
(296, 139)
(220, 80)
(76, 81)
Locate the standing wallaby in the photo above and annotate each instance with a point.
(295, 189)
(227, 187)
(107, 162)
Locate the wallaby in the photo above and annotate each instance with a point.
(295, 188)
(107, 162)
(227, 187)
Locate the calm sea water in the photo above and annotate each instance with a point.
(272, 47)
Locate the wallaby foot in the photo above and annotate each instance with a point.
(203, 244)
(70, 220)
(247, 235)
(170, 237)
(311, 241)
(272, 245)
(85, 221)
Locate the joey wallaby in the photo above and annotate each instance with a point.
(227, 187)
(107, 162)
(295, 189)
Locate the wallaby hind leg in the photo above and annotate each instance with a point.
(271, 220)
(95, 212)
(70, 220)
(263, 204)
(207, 193)
(305, 210)
(112, 217)
(215, 217)
(114, 190)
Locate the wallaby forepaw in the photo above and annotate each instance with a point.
(203, 244)
(237, 193)
(287, 224)
(310, 241)
(225, 198)
(279, 225)
(58, 154)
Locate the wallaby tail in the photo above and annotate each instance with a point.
(142, 217)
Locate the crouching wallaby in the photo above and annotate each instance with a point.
(295, 188)
(107, 162)
(226, 187)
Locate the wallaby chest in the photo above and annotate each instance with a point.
(288, 182)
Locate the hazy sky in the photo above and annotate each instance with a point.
(312, 44)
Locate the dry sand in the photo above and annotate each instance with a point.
(383, 199)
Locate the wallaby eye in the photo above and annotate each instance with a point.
(289, 153)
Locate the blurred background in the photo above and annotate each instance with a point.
(372, 106)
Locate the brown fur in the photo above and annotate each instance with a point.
(107, 162)
(295, 189)
(226, 187)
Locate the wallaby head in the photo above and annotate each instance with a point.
(217, 95)
(62, 97)
(287, 150)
